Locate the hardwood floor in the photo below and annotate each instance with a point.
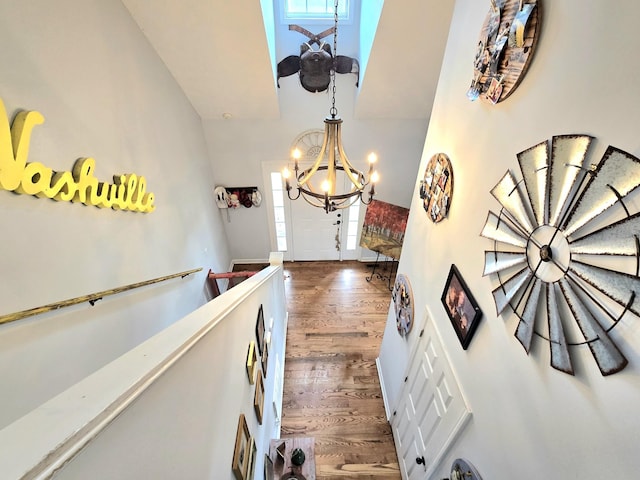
(331, 387)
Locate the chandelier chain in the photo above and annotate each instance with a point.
(334, 110)
(331, 161)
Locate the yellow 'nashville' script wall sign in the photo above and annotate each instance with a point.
(128, 192)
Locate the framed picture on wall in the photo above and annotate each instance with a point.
(462, 309)
(242, 450)
(253, 453)
(436, 187)
(403, 301)
(260, 330)
(252, 362)
(258, 399)
(265, 359)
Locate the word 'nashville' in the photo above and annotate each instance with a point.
(128, 192)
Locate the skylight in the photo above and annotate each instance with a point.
(314, 10)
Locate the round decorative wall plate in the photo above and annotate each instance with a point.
(436, 188)
(463, 470)
(309, 143)
(505, 48)
(566, 251)
(403, 301)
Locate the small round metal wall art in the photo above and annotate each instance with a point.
(436, 188)
(463, 470)
(505, 48)
(403, 301)
(566, 249)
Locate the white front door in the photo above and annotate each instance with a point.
(315, 234)
(311, 234)
(431, 409)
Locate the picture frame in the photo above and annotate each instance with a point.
(260, 330)
(402, 296)
(265, 359)
(253, 451)
(508, 38)
(384, 224)
(258, 399)
(242, 450)
(436, 187)
(461, 307)
(252, 362)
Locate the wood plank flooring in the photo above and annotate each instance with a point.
(331, 387)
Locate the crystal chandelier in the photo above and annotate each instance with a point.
(333, 161)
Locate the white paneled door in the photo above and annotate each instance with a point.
(315, 234)
(311, 233)
(431, 409)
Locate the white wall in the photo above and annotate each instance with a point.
(369, 17)
(529, 420)
(104, 93)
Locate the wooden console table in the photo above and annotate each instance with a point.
(282, 463)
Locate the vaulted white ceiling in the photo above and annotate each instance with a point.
(219, 53)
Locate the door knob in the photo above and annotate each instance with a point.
(420, 460)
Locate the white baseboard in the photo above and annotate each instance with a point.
(387, 410)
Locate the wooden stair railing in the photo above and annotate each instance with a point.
(213, 279)
(92, 298)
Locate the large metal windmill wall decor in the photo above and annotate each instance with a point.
(566, 248)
